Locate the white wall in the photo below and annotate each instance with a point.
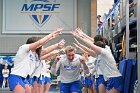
(103, 6)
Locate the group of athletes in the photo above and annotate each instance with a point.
(93, 72)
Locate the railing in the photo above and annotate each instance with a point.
(109, 15)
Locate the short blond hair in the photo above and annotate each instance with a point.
(69, 49)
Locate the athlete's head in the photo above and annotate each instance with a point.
(70, 52)
(32, 40)
(105, 41)
(98, 38)
(100, 44)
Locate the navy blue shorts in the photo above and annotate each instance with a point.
(83, 80)
(87, 82)
(70, 87)
(14, 80)
(44, 80)
(100, 80)
(32, 80)
(115, 82)
(47, 80)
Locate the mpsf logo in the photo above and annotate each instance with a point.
(40, 11)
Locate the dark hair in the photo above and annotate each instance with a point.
(98, 38)
(100, 44)
(32, 40)
(105, 41)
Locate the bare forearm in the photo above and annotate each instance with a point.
(54, 65)
(45, 39)
(94, 47)
(44, 57)
(49, 49)
(90, 52)
(39, 43)
(88, 37)
(85, 67)
(84, 51)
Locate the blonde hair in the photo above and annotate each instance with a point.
(69, 49)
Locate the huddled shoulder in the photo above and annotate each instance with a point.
(24, 47)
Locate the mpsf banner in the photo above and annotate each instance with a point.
(39, 16)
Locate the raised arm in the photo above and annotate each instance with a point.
(42, 41)
(84, 48)
(55, 65)
(48, 55)
(81, 33)
(52, 47)
(90, 43)
(85, 67)
(80, 48)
